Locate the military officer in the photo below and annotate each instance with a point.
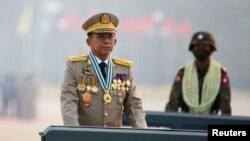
(202, 85)
(97, 88)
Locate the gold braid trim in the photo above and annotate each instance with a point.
(78, 58)
(126, 63)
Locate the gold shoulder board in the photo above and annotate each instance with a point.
(127, 63)
(78, 58)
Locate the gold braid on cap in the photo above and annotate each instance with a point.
(102, 22)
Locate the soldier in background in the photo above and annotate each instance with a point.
(27, 94)
(202, 85)
(9, 96)
(97, 89)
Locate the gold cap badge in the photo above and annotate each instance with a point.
(105, 19)
(101, 23)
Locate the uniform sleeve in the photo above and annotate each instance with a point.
(175, 94)
(133, 107)
(69, 98)
(225, 95)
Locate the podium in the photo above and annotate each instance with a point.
(82, 133)
(188, 121)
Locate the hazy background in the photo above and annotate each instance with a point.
(37, 37)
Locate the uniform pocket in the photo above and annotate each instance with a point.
(117, 100)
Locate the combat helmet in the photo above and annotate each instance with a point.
(202, 37)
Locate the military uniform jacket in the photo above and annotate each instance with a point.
(75, 111)
(221, 103)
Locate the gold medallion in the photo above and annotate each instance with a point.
(81, 87)
(107, 98)
(123, 84)
(94, 89)
(127, 88)
(88, 88)
(123, 89)
(128, 83)
(86, 96)
(118, 88)
(113, 87)
(115, 81)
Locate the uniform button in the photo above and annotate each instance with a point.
(105, 125)
(106, 114)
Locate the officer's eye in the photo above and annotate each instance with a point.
(104, 35)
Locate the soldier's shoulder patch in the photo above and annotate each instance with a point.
(225, 80)
(78, 58)
(123, 62)
(179, 75)
(224, 77)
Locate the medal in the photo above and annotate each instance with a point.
(86, 104)
(105, 83)
(123, 89)
(81, 87)
(128, 83)
(118, 88)
(113, 87)
(115, 81)
(127, 88)
(86, 99)
(94, 89)
(86, 96)
(88, 88)
(107, 98)
(123, 84)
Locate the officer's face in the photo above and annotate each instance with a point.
(101, 44)
(202, 52)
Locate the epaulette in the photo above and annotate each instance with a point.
(78, 58)
(126, 63)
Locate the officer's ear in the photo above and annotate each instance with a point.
(115, 41)
(88, 41)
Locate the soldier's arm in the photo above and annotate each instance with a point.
(225, 94)
(175, 94)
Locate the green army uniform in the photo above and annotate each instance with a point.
(201, 92)
(81, 81)
(221, 104)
